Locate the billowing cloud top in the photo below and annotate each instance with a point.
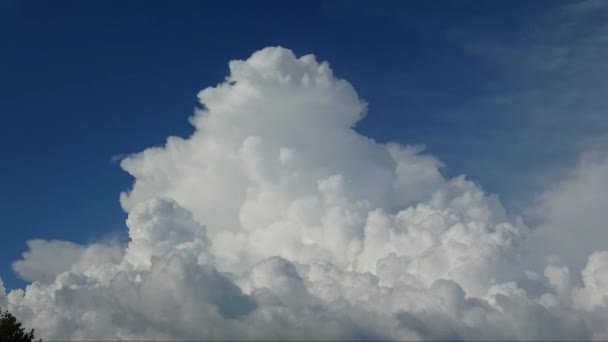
(275, 219)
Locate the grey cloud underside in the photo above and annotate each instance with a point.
(276, 220)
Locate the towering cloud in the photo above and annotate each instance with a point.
(275, 219)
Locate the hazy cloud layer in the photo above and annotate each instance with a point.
(276, 220)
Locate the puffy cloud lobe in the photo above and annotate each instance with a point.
(276, 220)
(157, 227)
(46, 259)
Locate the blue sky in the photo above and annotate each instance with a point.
(486, 86)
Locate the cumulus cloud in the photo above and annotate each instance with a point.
(276, 220)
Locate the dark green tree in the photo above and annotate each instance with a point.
(12, 331)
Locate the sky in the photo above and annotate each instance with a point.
(510, 95)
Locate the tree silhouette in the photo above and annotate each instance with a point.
(12, 331)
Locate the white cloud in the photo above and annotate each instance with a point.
(572, 213)
(276, 220)
(3, 300)
(46, 259)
